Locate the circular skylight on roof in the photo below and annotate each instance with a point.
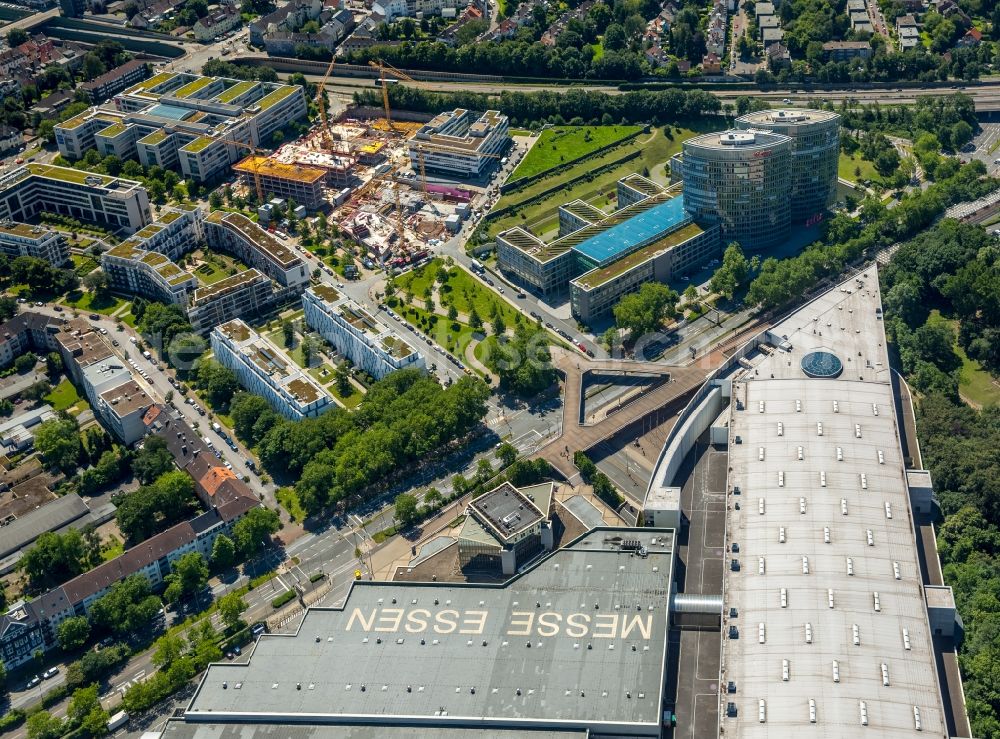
(822, 364)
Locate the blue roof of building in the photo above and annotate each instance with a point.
(624, 237)
(170, 111)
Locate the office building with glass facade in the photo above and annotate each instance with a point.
(815, 136)
(740, 180)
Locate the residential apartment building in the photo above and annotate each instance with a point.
(109, 201)
(27, 332)
(255, 247)
(242, 295)
(28, 627)
(217, 22)
(135, 271)
(41, 242)
(265, 370)
(197, 125)
(842, 51)
(123, 408)
(460, 144)
(301, 183)
(369, 344)
(114, 81)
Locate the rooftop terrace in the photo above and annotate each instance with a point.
(222, 287)
(25, 230)
(276, 96)
(253, 233)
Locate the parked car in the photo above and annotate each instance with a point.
(50, 673)
(33, 682)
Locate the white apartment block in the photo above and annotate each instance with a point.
(255, 247)
(133, 270)
(370, 345)
(458, 143)
(122, 408)
(245, 294)
(41, 242)
(197, 125)
(110, 201)
(265, 370)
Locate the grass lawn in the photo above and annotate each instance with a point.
(277, 337)
(111, 550)
(83, 265)
(290, 502)
(541, 213)
(63, 396)
(975, 384)
(452, 335)
(567, 143)
(520, 132)
(351, 401)
(88, 301)
(128, 318)
(323, 374)
(460, 289)
(848, 164)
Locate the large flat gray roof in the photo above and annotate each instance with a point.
(181, 730)
(830, 583)
(577, 641)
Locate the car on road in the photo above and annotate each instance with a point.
(36, 680)
(50, 673)
(581, 346)
(787, 101)
(533, 314)
(58, 308)
(548, 325)
(94, 317)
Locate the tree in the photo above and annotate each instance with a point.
(523, 362)
(37, 391)
(247, 410)
(230, 606)
(43, 725)
(16, 37)
(191, 571)
(643, 311)
(55, 558)
(406, 509)
(153, 508)
(220, 383)
(128, 607)
(732, 273)
(343, 379)
(223, 552)
(73, 633)
(152, 460)
(53, 364)
(25, 363)
(506, 453)
(288, 332)
(85, 711)
(97, 282)
(254, 530)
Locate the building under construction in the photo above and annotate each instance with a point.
(303, 184)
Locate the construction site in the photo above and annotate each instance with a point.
(397, 188)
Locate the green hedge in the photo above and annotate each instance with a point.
(285, 597)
